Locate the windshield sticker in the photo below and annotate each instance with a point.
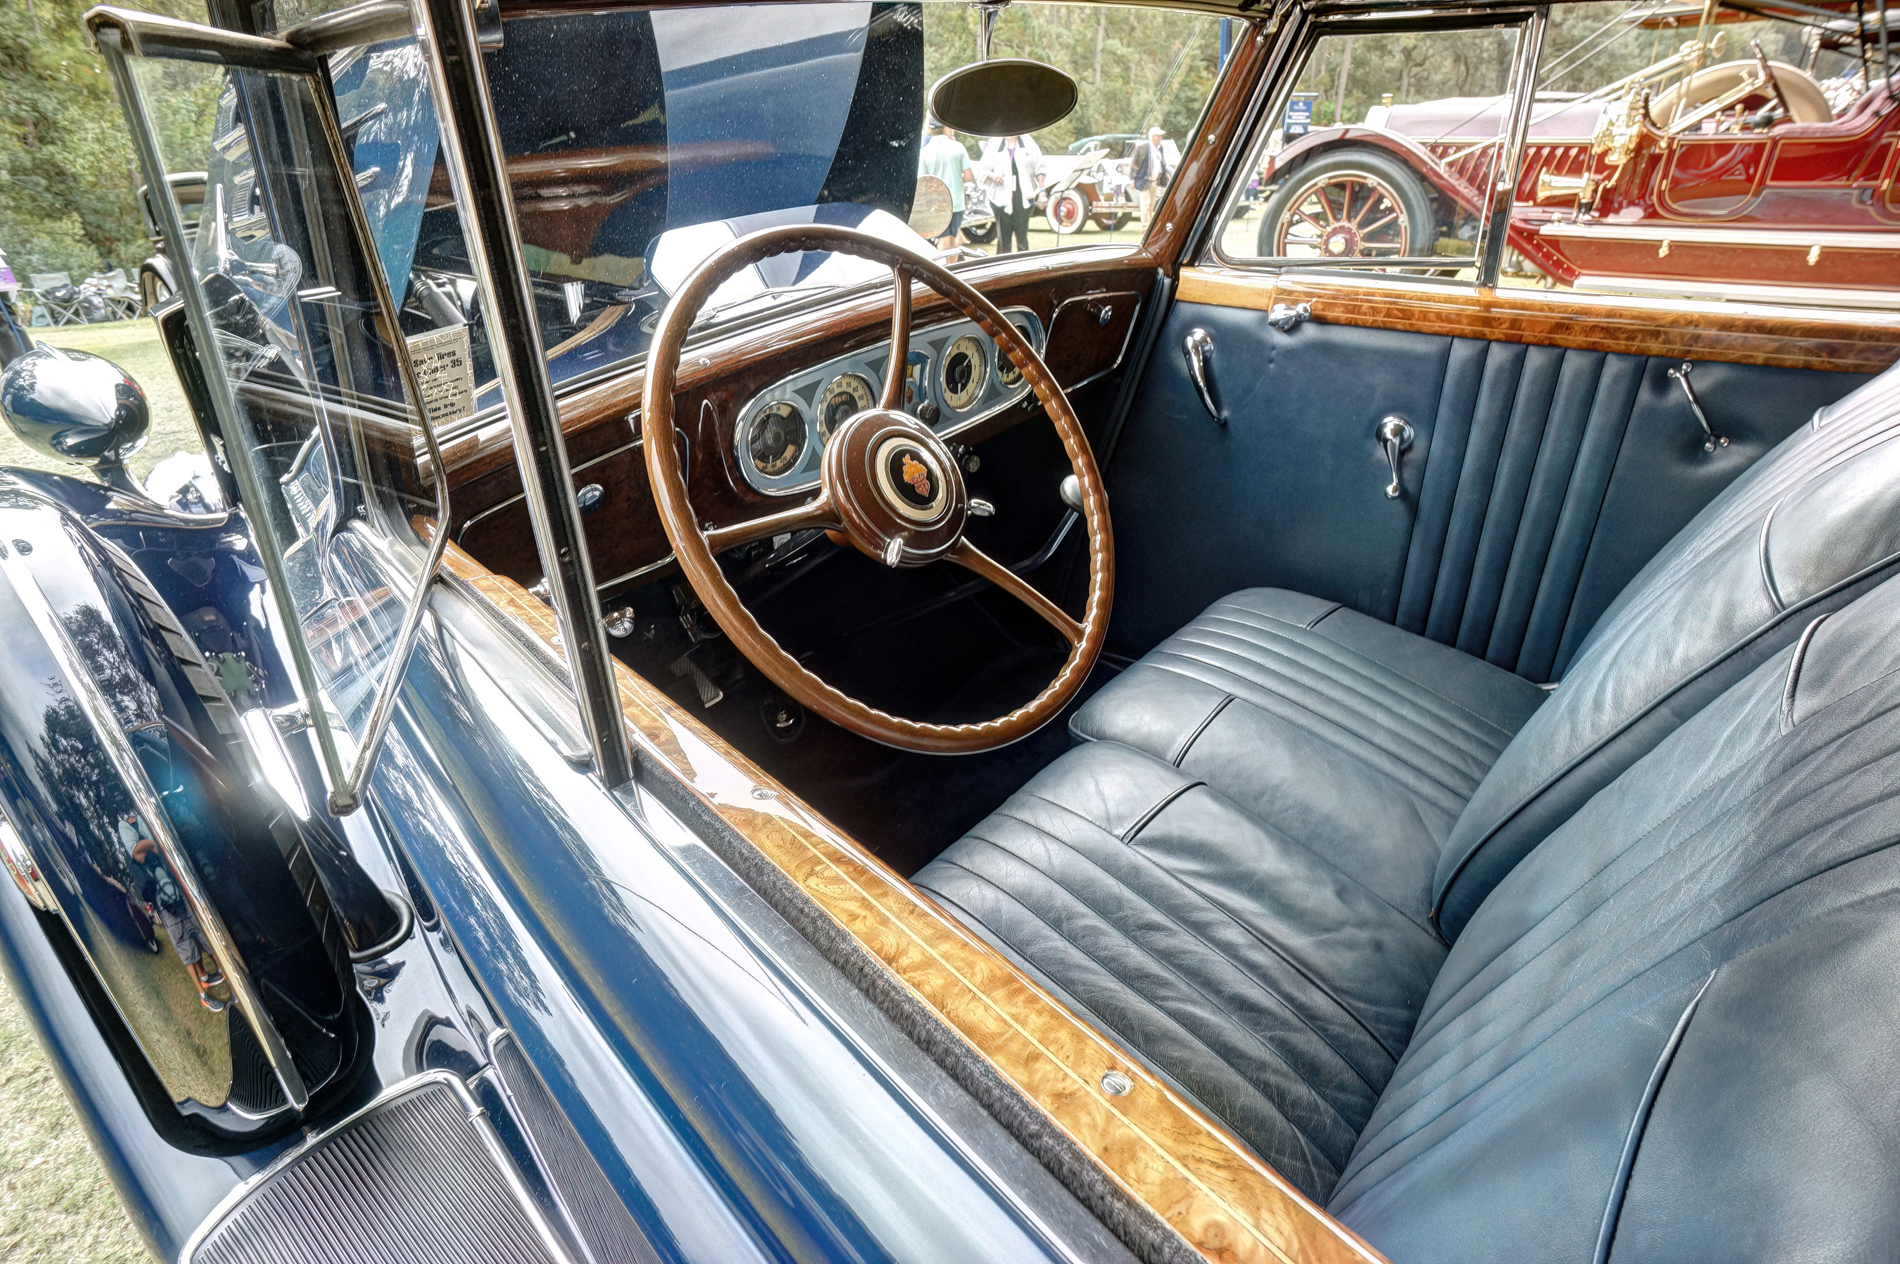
(444, 374)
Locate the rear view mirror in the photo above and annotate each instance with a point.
(1007, 97)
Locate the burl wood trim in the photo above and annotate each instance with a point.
(1163, 1151)
(1738, 333)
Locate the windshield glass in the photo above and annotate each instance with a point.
(639, 141)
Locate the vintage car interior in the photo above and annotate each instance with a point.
(1348, 758)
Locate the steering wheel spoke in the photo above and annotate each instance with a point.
(897, 369)
(819, 514)
(967, 555)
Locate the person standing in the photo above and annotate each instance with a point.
(1148, 172)
(1012, 168)
(159, 890)
(944, 157)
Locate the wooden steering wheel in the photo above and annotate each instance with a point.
(888, 484)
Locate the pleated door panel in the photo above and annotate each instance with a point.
(1537, 483)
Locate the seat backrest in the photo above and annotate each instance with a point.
(1809, 526)
(1673, 1032)
(48, 280)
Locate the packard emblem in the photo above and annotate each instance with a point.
(917, 474)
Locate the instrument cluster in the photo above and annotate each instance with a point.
(955, 377)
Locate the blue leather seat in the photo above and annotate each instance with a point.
(1416, 937)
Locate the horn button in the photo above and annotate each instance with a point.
(896, 486)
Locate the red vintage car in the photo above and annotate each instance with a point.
(1736, 178)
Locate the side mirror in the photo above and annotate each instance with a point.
(78, 407)
(1009, 96)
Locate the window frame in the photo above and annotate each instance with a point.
(1277, 86)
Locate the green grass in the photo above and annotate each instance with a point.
(133, 345)
(55, 1201)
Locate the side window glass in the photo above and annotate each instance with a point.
(1380, 154)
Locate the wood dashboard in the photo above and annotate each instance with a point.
(1087, 306)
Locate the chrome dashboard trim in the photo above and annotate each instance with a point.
(1134, 322)
(861, 361)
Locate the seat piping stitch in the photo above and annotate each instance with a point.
(1224, 913)
(1252, 1037)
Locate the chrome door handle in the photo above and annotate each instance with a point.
(1394, 435)
(1198, 347)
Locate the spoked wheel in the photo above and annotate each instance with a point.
(1068, 211)
(1349, 204)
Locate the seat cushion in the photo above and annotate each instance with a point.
(1266, 982)
(1358, 740)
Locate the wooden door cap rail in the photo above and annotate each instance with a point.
(1739, 333)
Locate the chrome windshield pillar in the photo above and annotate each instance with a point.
(471, 148)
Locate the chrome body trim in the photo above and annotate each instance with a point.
(477, 1120)
(930, 342)
(1786, 295)
(1715, 235)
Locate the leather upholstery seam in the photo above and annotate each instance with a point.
(1378, 697)
(1764, 782)
(1322, 728)
(1224, 913)
(1256, 1038)
(1187, 743)
(1347, 660)
(1142, 822)
(1107, 1026)
(1761, 558)
(1794, 671)
(1740, 646)
(1639, 1124)
(1329, 612)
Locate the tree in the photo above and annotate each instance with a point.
(68, 179)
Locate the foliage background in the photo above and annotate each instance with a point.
(68, 178)
(1134, 66)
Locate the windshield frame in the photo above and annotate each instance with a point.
(121, 36)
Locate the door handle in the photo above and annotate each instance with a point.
(1198, 347)
(1394, 435)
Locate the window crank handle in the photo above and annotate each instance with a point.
(1394, 435)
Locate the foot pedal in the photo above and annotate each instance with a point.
(710, 695)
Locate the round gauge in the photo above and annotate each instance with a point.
(848, 395)
(775, 439)
(964, 369)
(1006, 371)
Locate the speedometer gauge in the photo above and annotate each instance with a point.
(848, 395)
(965, 369)
(775, 438)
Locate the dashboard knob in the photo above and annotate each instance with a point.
(928, 412)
